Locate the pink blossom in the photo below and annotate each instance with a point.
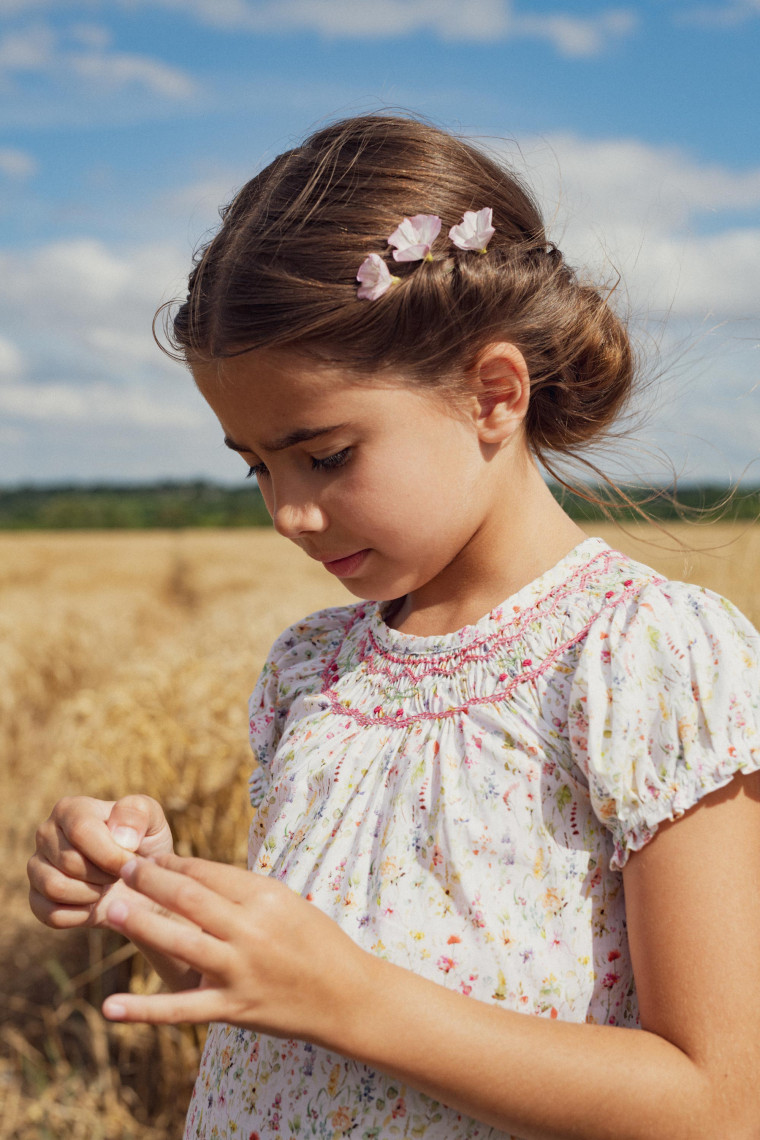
(474, 231)
(414, 237)
(375, 278)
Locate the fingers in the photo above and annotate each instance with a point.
(63, 842)
(77, 858)
(182, 892)
(64, 885)
(76, 840)
(187, 942)
(199, 1005)
(232, 882)
(56, 915)
(60, 888)
(138, 823)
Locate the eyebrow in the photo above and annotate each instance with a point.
(300, 435)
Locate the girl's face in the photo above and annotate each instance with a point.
(379, 482)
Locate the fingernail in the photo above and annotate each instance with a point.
(128, 869)
(126, 837)
(114, 1009)
(117, 912)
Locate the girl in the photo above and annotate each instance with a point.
(486, 848)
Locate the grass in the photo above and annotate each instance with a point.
(125, 665)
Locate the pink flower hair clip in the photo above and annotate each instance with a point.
(412, 241)
(375, 278)
(414, 237)
(474, 231)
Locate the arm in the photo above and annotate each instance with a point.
(272, 962)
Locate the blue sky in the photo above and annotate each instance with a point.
(125, 124)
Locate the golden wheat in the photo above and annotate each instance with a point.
(125, 664)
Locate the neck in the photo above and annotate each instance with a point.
(524, 534)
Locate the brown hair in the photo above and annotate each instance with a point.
(281, 272)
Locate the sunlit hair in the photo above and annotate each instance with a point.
(281, 272)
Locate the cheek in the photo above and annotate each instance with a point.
(406, 496)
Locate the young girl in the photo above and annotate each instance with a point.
(505, 852)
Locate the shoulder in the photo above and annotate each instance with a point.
(315, 635)
(661, 647)
(658, 622)
(294, 668)
(664, 704)
(302, 650)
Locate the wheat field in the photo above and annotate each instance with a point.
(125, 662)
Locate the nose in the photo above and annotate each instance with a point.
(294, 517)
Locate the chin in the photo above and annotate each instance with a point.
(367, 593)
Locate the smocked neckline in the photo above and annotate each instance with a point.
(504, 614)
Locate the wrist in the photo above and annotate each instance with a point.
(373, 1011)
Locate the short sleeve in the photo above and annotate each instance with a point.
(664, 707)
(293, 668)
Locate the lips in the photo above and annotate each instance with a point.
(346, 566)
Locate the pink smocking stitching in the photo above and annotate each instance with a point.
(399, 720)
(501, 639)
(464, 655)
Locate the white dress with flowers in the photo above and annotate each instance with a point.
(463, 805)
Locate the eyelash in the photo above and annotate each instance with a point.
(330, 463)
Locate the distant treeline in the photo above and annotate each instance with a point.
(159, 505)
(200, 504)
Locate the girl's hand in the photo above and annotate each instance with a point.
(267, 959)
(81, 848)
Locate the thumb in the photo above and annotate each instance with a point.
(138, 823)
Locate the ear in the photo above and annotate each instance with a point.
(501, 386)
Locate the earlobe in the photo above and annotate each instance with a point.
(502, 384)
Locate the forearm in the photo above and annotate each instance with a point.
(531, 1076)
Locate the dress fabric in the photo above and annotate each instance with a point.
(463, 805)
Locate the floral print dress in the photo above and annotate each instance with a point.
(463, 805)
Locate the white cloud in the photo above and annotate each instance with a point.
(39, 49)
(116, 70)
(91, 35)
(727, 15)
(22, 7)
(476, 20)
(479, 21)
(575, 35)
(16, 163)
(668, 222)
(101, 403)
(89, 308)
(30, 49)
(12, 363)
(660, 178)
(85, 273)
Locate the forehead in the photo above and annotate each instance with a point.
(265, 383)
(267, 394)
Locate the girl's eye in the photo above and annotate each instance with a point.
(332, 461)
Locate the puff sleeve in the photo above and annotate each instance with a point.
(664, 707)
(265, 720)
(293, 669)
